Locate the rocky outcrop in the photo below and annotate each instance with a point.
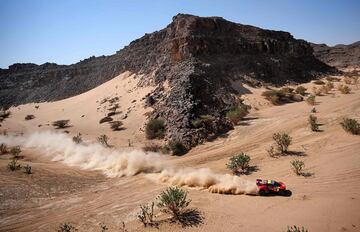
(340, 56)
(197, 57)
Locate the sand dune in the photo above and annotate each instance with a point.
(326, 200)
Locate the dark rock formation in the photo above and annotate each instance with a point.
(340, 56)
(198, 57)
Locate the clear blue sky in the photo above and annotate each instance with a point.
(65, 31)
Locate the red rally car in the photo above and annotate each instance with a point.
(271, 187)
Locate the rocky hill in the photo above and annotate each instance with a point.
(195, 58)
(340, 56)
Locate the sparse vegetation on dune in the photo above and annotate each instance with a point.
(332, 79)
(282, 141)
(296, 229)
(116, 125)
(4, 114)
(106, 119)
(301, 90)
(67, 227)
(77, 138)
(15, 151)
(281, 96)
(173, 201)
(351, 126)
(177, 148)
(239, 163)
(14, 165)
(28, 169)
(235, 114)
(297, 166)
(146, 214)
(104, 140)
(29, 117)
(60, 124)
(155, 128)
(311, 100)
(203, 121)
(314, 126)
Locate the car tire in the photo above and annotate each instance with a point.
(262, 192)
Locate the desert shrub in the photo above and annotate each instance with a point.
(280, 96)
(351, 126)
(203, 121)
(155, 128)
(313, 110)
(296, 229)
(103, 139)
(237, 113)
(173, 201)
(105, 119)
(27, 169)
(77, 138)
(59, 124)
(311, 100)
(271, 151)
(319, 82)
(146, 214)
(300, 90)
(114, 108)
(177, 148)
(165, 149)
(123, 227)
(282, 141)
(15, 151)
(297, 166)
(66, 227)
(116, 125)
(13, 165)
(29, 117)
(3, 148)
(4, 114)
(152, 147)
(313, 123)
(103, 227)
(344, 89)
(237, 162)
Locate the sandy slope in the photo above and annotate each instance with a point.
(327, 200)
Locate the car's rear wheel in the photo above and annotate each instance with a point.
(285, 193)
(262, 192)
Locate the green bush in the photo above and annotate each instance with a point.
(60, 124)
(284, 95)
(282, 141)
(297, 166)
(67, 227)
(237, 113)
(28, 169)
(155, 128)
(351, 126)
(173, 201)
(15, 151)
(152, 147)
(311, 100)
(237, 162)
(177, 148)
(13, 165)
(146, 214)
(203, 120)
(300, 90)
(296, 229)
(314, 126)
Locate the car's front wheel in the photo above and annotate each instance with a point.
(262, 192)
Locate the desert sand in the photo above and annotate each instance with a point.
(326, 200)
